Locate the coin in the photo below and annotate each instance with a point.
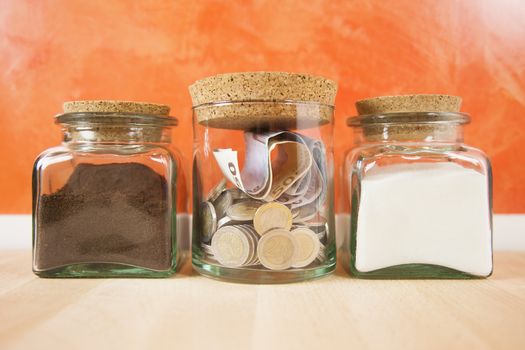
(308, 246)
(322, 253)
(305, 213)
(227, 221)
(230, 246)
(237, 194)
(208, 220)
(223, 202)
(217, 190)
(243, 211)
(317, 221)
(271, 216)
(253, 237)
(276, 250)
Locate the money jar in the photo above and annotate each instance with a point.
(420, 199)
(262, 177)
(104, 201)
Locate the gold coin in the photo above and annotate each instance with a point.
(271, 216)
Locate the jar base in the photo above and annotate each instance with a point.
(94, 270)
(412, 271)
(260, 276)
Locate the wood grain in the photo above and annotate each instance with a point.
(189, 311)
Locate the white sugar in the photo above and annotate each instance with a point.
(426, 213)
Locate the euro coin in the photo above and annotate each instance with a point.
(230, 246)
(208, 220)
(276, 250)
(223, 202)
(271, 216)
(308, 246)
(243, 211)
(217, 190)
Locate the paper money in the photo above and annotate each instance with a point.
(267, 175)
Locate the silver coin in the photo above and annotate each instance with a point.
(208, 221)
(244, 210)
(222, 203)
(237, 194)
(217, 190)
(231, 246)
(227, 221)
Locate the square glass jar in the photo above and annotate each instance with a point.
(420, 199)
(104, 201)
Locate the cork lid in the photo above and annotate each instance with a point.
(409, 103)
(263, 99)
(409, 117)
(109, 106)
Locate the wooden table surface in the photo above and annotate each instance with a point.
(189, 311)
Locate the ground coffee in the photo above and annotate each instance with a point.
(118, 213)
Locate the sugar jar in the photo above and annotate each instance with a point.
(262, 176)
(104, 201)
(420, 199)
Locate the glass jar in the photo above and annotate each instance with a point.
(262, 175)
(104, 201)
(420, 199)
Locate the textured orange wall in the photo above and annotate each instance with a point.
(52, 51)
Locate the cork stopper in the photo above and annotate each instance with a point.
(409, 103)
(109, 106)
(263, 99)
(120, 123)
(409, 117)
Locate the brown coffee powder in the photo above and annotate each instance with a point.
(118, 213)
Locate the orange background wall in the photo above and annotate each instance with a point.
(52, 51)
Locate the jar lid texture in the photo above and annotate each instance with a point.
(109, 120)
(263, 99)
(409, 103)
(406, 117)
(111, 106)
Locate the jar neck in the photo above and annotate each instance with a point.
(115, 134)
(410, 133)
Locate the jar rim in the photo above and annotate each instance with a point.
(262, 101)
(408, 118)
(116, 118)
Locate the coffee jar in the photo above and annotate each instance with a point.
(104, 201)
(420, 199)
(262, 177)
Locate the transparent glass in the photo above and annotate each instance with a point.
(104, 201)
(263, 196)
(420, 200)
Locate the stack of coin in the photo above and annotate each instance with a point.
(235, 246)
(208, 252)
(239, 231)
(322, 254)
